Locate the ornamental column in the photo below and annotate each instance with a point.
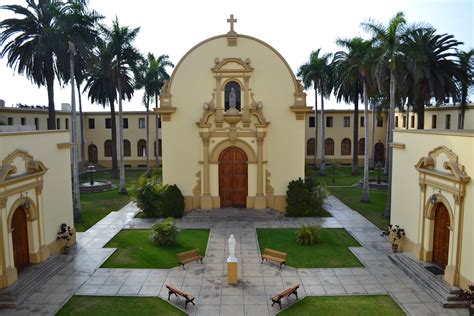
(260, 200)
(206, 199)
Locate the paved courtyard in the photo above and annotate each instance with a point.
(257, 282)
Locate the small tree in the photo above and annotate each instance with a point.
(305, 198)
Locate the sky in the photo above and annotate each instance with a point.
(294, 28)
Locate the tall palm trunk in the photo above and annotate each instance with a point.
(50, 87)
(76, 197)
(408, 116)
(81, 123)
(387, 137)
(114, 174)
(122, 187)
(355, 136)
(373, 137)
(157, 121)
(365, 187)
(463, 106)
(323, 136)
(315, 158)
(391, 116)
(420, 119)
(147, 151)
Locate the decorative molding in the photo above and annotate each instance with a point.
(8, 170)
(165, 112)
(219, 64)
(197, 187)
(301, 111)
(64, 145)
(3, 202)
(397, 145)
(269, 190)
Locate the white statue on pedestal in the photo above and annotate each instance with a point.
(231, 249)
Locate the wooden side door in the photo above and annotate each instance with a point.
(233, 178)
(441, 236)
(21, 253)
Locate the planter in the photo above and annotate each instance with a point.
(395, 247)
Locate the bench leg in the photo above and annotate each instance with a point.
(277, 302)
(187, 302)
(201, 261)
(296, 294)
(169, 295)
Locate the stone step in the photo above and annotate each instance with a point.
(440, 290)
(32, 278)
(232, 214)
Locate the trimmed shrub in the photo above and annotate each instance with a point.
(172, 202)
(146, 194)
(305, 198)
(164, 233)
(308, 235)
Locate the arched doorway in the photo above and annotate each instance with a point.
(441, 235)
(233, 177)
(19, 229)
(92, 150)
(379, 152)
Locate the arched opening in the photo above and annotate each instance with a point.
(127, 148)
(92, 153)
(310, 147)
(441, 235)
(232, 95)
(19, 229)
(329, 146)
(361, 146)
(108, 148)
(233, 177)
(379, 152)
(141, 148)
(346, 147)
(159, 148)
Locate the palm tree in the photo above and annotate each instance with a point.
(387, 38)
(125, 68)
(33, 45)
(348, 84)
(431, 68)
(78, 24)
(101, 85)
(466, 78)
(77, 27)
(309, 74)
(152, 76)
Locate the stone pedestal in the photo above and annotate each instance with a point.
(232, 270)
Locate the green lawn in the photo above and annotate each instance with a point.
(330, 252)
(135, 250)
(343, 190)
(116, 305)
(95, 206)
(344, 305)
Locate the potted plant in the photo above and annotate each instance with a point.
(65, 235)
(395, 234)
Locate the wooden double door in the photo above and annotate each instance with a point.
(21, 253)
(233, 177)
(441, 236)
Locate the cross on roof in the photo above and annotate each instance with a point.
(231, 21)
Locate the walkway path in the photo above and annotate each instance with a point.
(258, 282)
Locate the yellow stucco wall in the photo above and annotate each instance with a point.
(406, 197)
(338, 132)
(57, 191)
(193, 83)
(438, 114)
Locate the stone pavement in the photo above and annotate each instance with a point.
(257, 282)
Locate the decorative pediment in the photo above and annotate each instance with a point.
(230, 65)
(19, 163)
(443, 162)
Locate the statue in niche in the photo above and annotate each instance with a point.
(232, 98)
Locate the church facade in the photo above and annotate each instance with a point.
(233, 124)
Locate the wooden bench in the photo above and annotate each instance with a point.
(286, 293)
(273, 255)
(188, 256)
(188, 297)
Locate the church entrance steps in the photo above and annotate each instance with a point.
(441, 291)
(31, 279)
(226, 214)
